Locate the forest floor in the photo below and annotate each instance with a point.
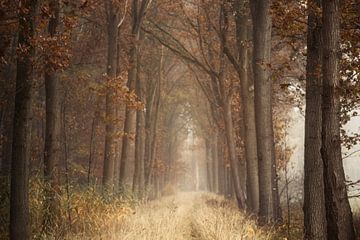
(187, 216)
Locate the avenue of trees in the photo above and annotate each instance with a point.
(102, 95)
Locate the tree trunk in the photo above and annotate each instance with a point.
(234, 166)
(52, 133)
(248, 106)
(7, 112)
(19, 203)
(314, 199)
(129, 113)
(215, 162)
(119, 127)
(152, 109)
(209, 171)
(154, 135)
(263, 106)
(92, 150)
(138, 12)
(338, 212)
(139, 174)
(110, 144)
(221, 164)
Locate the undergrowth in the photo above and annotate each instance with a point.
(83, 212)
(87, 213)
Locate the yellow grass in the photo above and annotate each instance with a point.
(187, 216)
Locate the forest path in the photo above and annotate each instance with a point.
(169, 218)
(188, 216)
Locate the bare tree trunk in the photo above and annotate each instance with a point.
(66, 159)
(263, 107)
(154, 135)
(148, 138)
(139, 174)
(277, 211)
(152, 109)
(119, 127)
(7, 110)
(19, 202)
(234, 166)
(338, 212)
(314, 198)
(248, 106)
(109, 160)
(94, 125)
(138, 13)
(221, 164)
(52, 133)
(6, 131)
(129, 113)
(215, 162)
(209, 166)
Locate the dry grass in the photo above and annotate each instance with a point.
(187, 216)
(219, 219)
(183, 216)
(83, 213)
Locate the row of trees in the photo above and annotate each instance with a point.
(112, 94)
(327, 212)
(55, 46)
(249, 50)
(225, 61)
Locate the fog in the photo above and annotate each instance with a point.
(296, 141)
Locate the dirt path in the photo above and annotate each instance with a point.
(187, 216)
(169, 218)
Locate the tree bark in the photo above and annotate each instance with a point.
(154, 135)
(110, 143)
(314, 198)
(19, 203)
(139, 174)
(215, 162)
(138, 13)
(338, 211)
(209, 166)
(234, 166)
(152, 106)
(7, 112)
(129, 113)
(221, 164)
(52, 132)
(94, 124)
(263, 107)
(248, 106)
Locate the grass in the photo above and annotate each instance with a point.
(82, 213)
(86, 214)
(189, 216)
(220, 219)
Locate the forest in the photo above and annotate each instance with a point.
(180, 119)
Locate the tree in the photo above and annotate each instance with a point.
(111, 67)
(260, 10)
(242, 66)
(138, 11)
(139, 173)
(314, 198)
(153, 91)
(19, 205)
(338, 211)
(52, 131)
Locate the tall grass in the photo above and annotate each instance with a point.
(189, 216)
(84, 212)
